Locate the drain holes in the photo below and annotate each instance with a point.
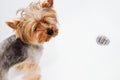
(102, 40)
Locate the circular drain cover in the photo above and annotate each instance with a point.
(102, 40)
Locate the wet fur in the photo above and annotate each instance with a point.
(22, 51)
(32, 26)
(15, 52)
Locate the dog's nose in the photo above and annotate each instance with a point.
(50, 31)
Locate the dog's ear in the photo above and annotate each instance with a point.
(47, 4)
(13, 24)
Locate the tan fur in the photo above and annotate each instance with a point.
(32, 28)
(31, 71)
(37, 16)
(48, 4)
(24, 66)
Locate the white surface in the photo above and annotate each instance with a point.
(74, 54)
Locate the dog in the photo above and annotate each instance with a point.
(36, 25)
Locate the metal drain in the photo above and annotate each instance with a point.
(102, 40)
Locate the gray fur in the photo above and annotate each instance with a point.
(13, 51)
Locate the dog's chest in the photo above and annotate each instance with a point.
(34, 53)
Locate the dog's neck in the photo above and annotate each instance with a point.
(34, 51)
(16, 51)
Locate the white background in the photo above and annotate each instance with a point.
(74, 53)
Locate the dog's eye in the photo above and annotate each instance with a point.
(35, 28)
(43, 21)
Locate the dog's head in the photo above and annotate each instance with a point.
(37, 24)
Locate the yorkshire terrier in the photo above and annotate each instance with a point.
(37, 24)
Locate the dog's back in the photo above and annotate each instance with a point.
(3, 46)
(12, 51)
